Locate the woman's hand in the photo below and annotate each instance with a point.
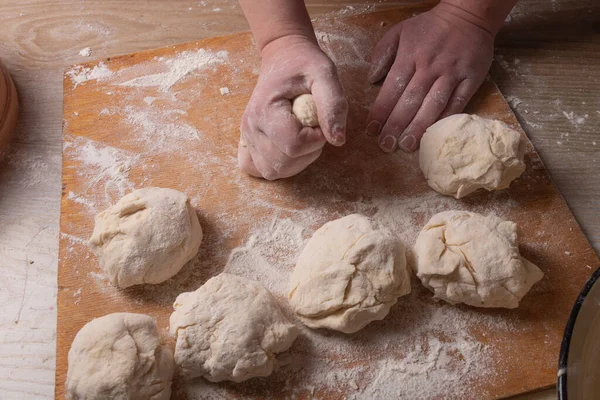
(273, 142)
(432, 64)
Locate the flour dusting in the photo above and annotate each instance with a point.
(160, 130)
(422, 349)
(178, 68)
(80, 74)
(256, 229)
(85, 52)
(102, 166)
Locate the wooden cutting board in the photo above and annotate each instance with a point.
(170, 117)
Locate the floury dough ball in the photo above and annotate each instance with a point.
(462, 153)
(229, 329)
(305, 109)
(147, 237)
(348, 275)
(119, 356)
(463, 257)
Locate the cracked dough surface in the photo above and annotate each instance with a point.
(462, 153)
(147, 237)
(119, 356)
(229, 329)
(464, 257)
(348, 275)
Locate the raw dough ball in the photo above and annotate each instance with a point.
(305, 109)
(147, 237)
(462, 153)
(348, 275)
(468, 258)
(229, 329)
(119, 356)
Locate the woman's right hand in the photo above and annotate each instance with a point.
(273, 142)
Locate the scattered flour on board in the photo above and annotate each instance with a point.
(177, 68)
(160, 130)
(81, 200)
(77, 295)
(80, 74)
(102, 165)
(422, 349)
(85, 52)
(73, 239)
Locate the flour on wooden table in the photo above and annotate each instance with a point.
(85, 52)
(160, 129)
(81, 200)
(178, 68)
(422, 349)
(80, 74)
(102, 166)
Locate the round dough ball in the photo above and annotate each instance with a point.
(119, 356)
(9, 110)
(462, 153)
(348, 275)
(305, 109)
(147, 237)
(229, 329)
(464, 257)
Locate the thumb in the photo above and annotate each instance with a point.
(332, 109)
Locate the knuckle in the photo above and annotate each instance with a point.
(400, 83)
(278, 166)
(326, 68)
(438, 98)
(460, 100)
(293, 150)
(245, 164)
(245, 123)
(270, 175)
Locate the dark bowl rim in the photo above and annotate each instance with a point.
(561, 382)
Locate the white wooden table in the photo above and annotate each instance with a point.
(547, 64)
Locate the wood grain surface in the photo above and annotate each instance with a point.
(100, 116)
(546, 64)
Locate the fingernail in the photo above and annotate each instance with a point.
(408, 143)
(388, 144)
(373, 128)
(338, 135)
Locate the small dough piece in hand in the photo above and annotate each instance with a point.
(229, 329)
(119, 356)
(462, 153)
(348, 275)
(305, 109)
(147, 237)
(464, 257)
